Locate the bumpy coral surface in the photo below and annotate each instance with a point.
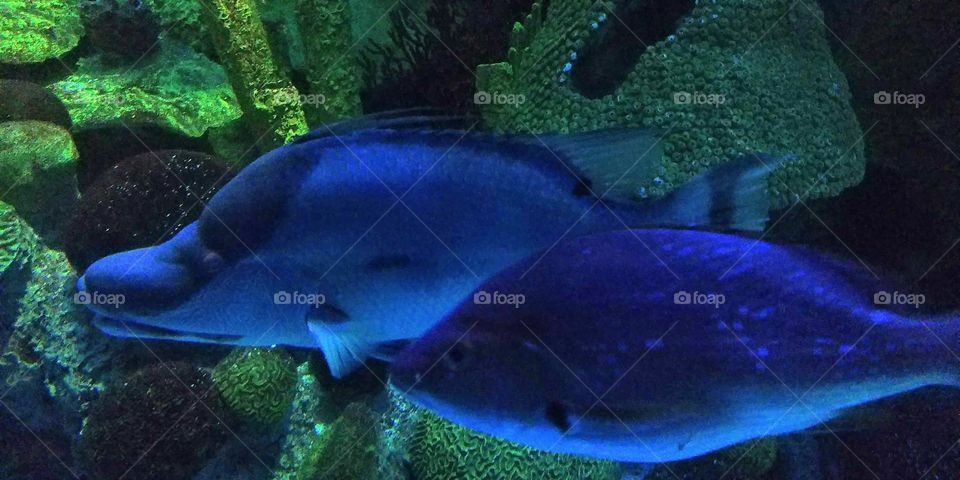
(35, 30)
(159, 423)
(175, 88)
(270, 103)
(38, 163)
(443, 450)
(737, 76)
(257, 384)
(334, 74)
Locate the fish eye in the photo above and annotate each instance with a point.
(212, 262)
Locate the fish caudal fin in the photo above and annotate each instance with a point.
(732, 196)
(613, 160)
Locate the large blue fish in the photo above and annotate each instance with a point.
(356, 238)
(602, 348)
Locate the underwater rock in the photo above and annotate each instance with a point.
(348, 448)
(21, 100)
(102, 147)
(257, 385)
(32, 31)
(270, 103)
(159, 423)
(141, 201)
(746, 461)
(175, 88)
(124, 30)
(736, 76)
(429, 57)
(38, 162)
(444, 450)
(333, 70)
(50, 342)
(304, 425)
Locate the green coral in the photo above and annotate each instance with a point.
(745, 461)
(38, 172)
(32, 31)
(443, 450)
(333, 69)
(176, 88)
(348, 448)
(783, 93)
(269, 101)
(257, 384)
(15, 239)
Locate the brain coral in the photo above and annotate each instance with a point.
(443, 450)
(768, 60)
(257, 384)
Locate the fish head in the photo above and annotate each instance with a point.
(476, 370)
(147, 282)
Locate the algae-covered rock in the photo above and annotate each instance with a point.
(38, 172)
(175, 88)
(333, 70)
(15, 238)
(269, 100)
(257, 384)
(444, 450)
(736, 76)
(32, 31)
(347, 448)
(21, 100)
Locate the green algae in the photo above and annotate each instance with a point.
(38, 172)
(269, 101)
(783, 94)
(176, 88)
(32, 31)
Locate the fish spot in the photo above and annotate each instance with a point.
(880, 316)
(654, 343)
(743, 310)
(762, 352)
(759, 366)
(737, 326)
(817, 351)
(845, 348)
(388, 262)
(558, 415)
(761, 314)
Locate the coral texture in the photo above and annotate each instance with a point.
(737, 76)
(257, 384)
(32, 31)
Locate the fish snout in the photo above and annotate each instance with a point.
(134, 282)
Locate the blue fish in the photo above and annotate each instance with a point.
(602, 348)
(357, 238)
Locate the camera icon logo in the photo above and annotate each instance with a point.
(82, 298)
(682, 98)
(682, 298)
(882, 298)
(882, 98)
(482, 98)
(482, 298)
(282, 298)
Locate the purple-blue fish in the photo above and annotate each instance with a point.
(605, 348)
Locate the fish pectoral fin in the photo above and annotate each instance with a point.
(731, 196)
(344, 348)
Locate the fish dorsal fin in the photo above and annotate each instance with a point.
(614, 161)
(405, 119)
(730, 196)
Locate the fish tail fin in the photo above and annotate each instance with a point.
(729, 196)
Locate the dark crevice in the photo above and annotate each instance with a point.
(615, 47)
